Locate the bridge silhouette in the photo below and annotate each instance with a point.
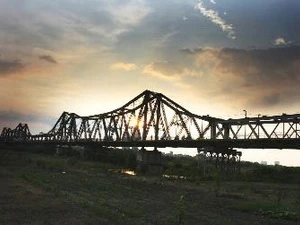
(153, 120)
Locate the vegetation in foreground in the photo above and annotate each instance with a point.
(42, 188)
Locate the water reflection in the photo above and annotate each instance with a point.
(129, 172)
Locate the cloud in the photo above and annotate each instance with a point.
(8, 67)
(213, 1)
(214, 17)
(192, 51)
(253, 76)
(124, 66)
(19, 117)
(129, 12)
(168, 70)
(281, 41)
(165, 38)
(48, 58)
(271, 100)
(66, 27)
(260, 64)
(15, 116)
(36, 123)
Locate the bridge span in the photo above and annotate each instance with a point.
(153, 120)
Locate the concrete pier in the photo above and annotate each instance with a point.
(149, 162)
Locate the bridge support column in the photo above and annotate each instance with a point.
(226, 160)
(149, 162)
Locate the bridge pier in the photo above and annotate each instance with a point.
(226, 160)
(149, 162)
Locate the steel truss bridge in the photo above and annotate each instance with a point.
(153, 120)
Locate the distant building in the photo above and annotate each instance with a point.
(264, 163)
(276, 163)
(182, 156)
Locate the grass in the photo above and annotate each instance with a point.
(270, 209)
(97, 193)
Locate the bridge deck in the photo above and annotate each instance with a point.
(205, 143)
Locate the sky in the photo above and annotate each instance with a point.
(215, 57)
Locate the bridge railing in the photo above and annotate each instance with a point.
(273, 127)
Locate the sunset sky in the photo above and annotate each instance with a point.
(215, 57)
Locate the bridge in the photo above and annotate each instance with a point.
(153, 120)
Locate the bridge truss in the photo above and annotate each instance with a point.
(152, 119)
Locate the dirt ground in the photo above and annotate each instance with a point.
(22, 203)
(41, 195)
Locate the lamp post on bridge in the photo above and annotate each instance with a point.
(245, 112)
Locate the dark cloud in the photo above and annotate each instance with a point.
(10, 67)
(259, 66)
(255, 76)
(271, 100)
(192, 51)
(262, 64)
(48, 58)
(68, 27)
(13, 118)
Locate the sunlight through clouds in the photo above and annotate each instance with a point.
(168, 70)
